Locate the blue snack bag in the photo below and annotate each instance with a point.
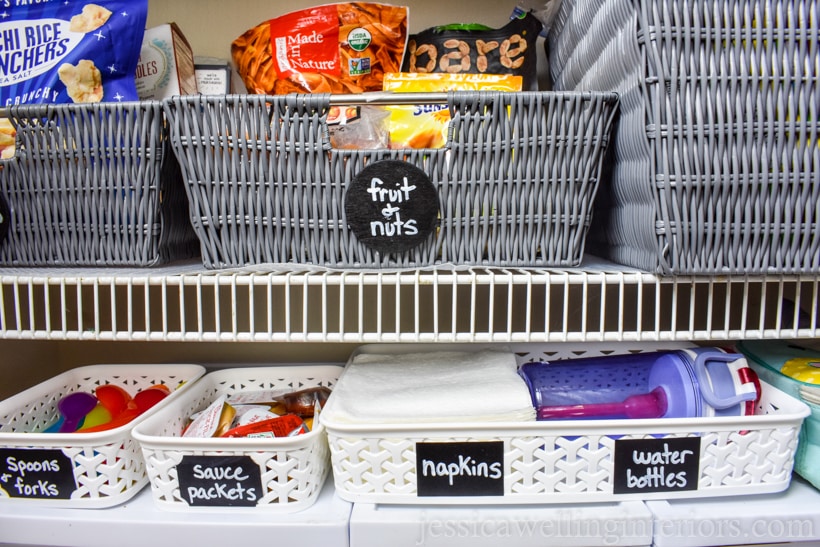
(69, 51)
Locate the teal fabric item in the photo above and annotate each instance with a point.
(766, 357)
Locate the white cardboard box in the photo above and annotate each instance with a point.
(166, 64)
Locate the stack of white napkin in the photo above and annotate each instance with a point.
(436, 386)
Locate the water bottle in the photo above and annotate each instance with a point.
(686, 383)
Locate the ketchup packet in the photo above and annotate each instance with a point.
(70, 51)
(281, 426)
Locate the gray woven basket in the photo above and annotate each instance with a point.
(515, 182)
(715, 160)
(94, 185)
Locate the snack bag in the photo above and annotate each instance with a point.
(332, 48)
(7, 142)
(477, 49)
(70, 51)
(425, 126)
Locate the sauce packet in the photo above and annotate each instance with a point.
(331, 48)
(425, 126)
(280, 426)
(70, 51)
(214, 421)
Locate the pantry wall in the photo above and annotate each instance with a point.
(55, 320)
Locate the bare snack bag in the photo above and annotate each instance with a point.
(478, 49)
(69, 51)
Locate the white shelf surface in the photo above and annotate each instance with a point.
(789, 517)
(140, 523)
(573, 525)
(792, 516)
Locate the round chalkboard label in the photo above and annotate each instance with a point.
(5, 218)
(391, 206)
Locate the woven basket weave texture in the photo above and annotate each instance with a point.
(94, 185)
(515, 182)
(715, 160)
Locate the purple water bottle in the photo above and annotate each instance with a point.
(684, 383)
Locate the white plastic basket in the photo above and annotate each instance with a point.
(569, 461)
(292, 470)
(79, 470)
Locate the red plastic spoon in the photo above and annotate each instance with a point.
(141, 402)
(113, 397)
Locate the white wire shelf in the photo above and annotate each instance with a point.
(596, 302)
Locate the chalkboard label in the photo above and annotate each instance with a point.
(5, 218)
(219, 481)
(656, 465)
(36, 473)
(460, 469)
(391, 206)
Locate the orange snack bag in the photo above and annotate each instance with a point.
(332, 48)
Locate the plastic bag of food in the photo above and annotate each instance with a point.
(332, 48)
(544, 11)
(478, 49)
(70, 52)
(425, 126)
(358, 127)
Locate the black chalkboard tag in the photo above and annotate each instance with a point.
(219, 481)
(460, 469)
(391, 206)
(656, 465)
(5, 219)
(36, 473)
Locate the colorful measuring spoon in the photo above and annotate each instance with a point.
(98, 415)
(74, 407)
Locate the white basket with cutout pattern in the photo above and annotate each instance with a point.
(79, 470)
(283, 474)
(566, 461)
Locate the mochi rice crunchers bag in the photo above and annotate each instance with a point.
(67, 51)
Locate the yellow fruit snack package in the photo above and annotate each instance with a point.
(425, 125)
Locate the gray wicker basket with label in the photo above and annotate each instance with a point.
(514, 182)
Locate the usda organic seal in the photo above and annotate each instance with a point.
(359, 38)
